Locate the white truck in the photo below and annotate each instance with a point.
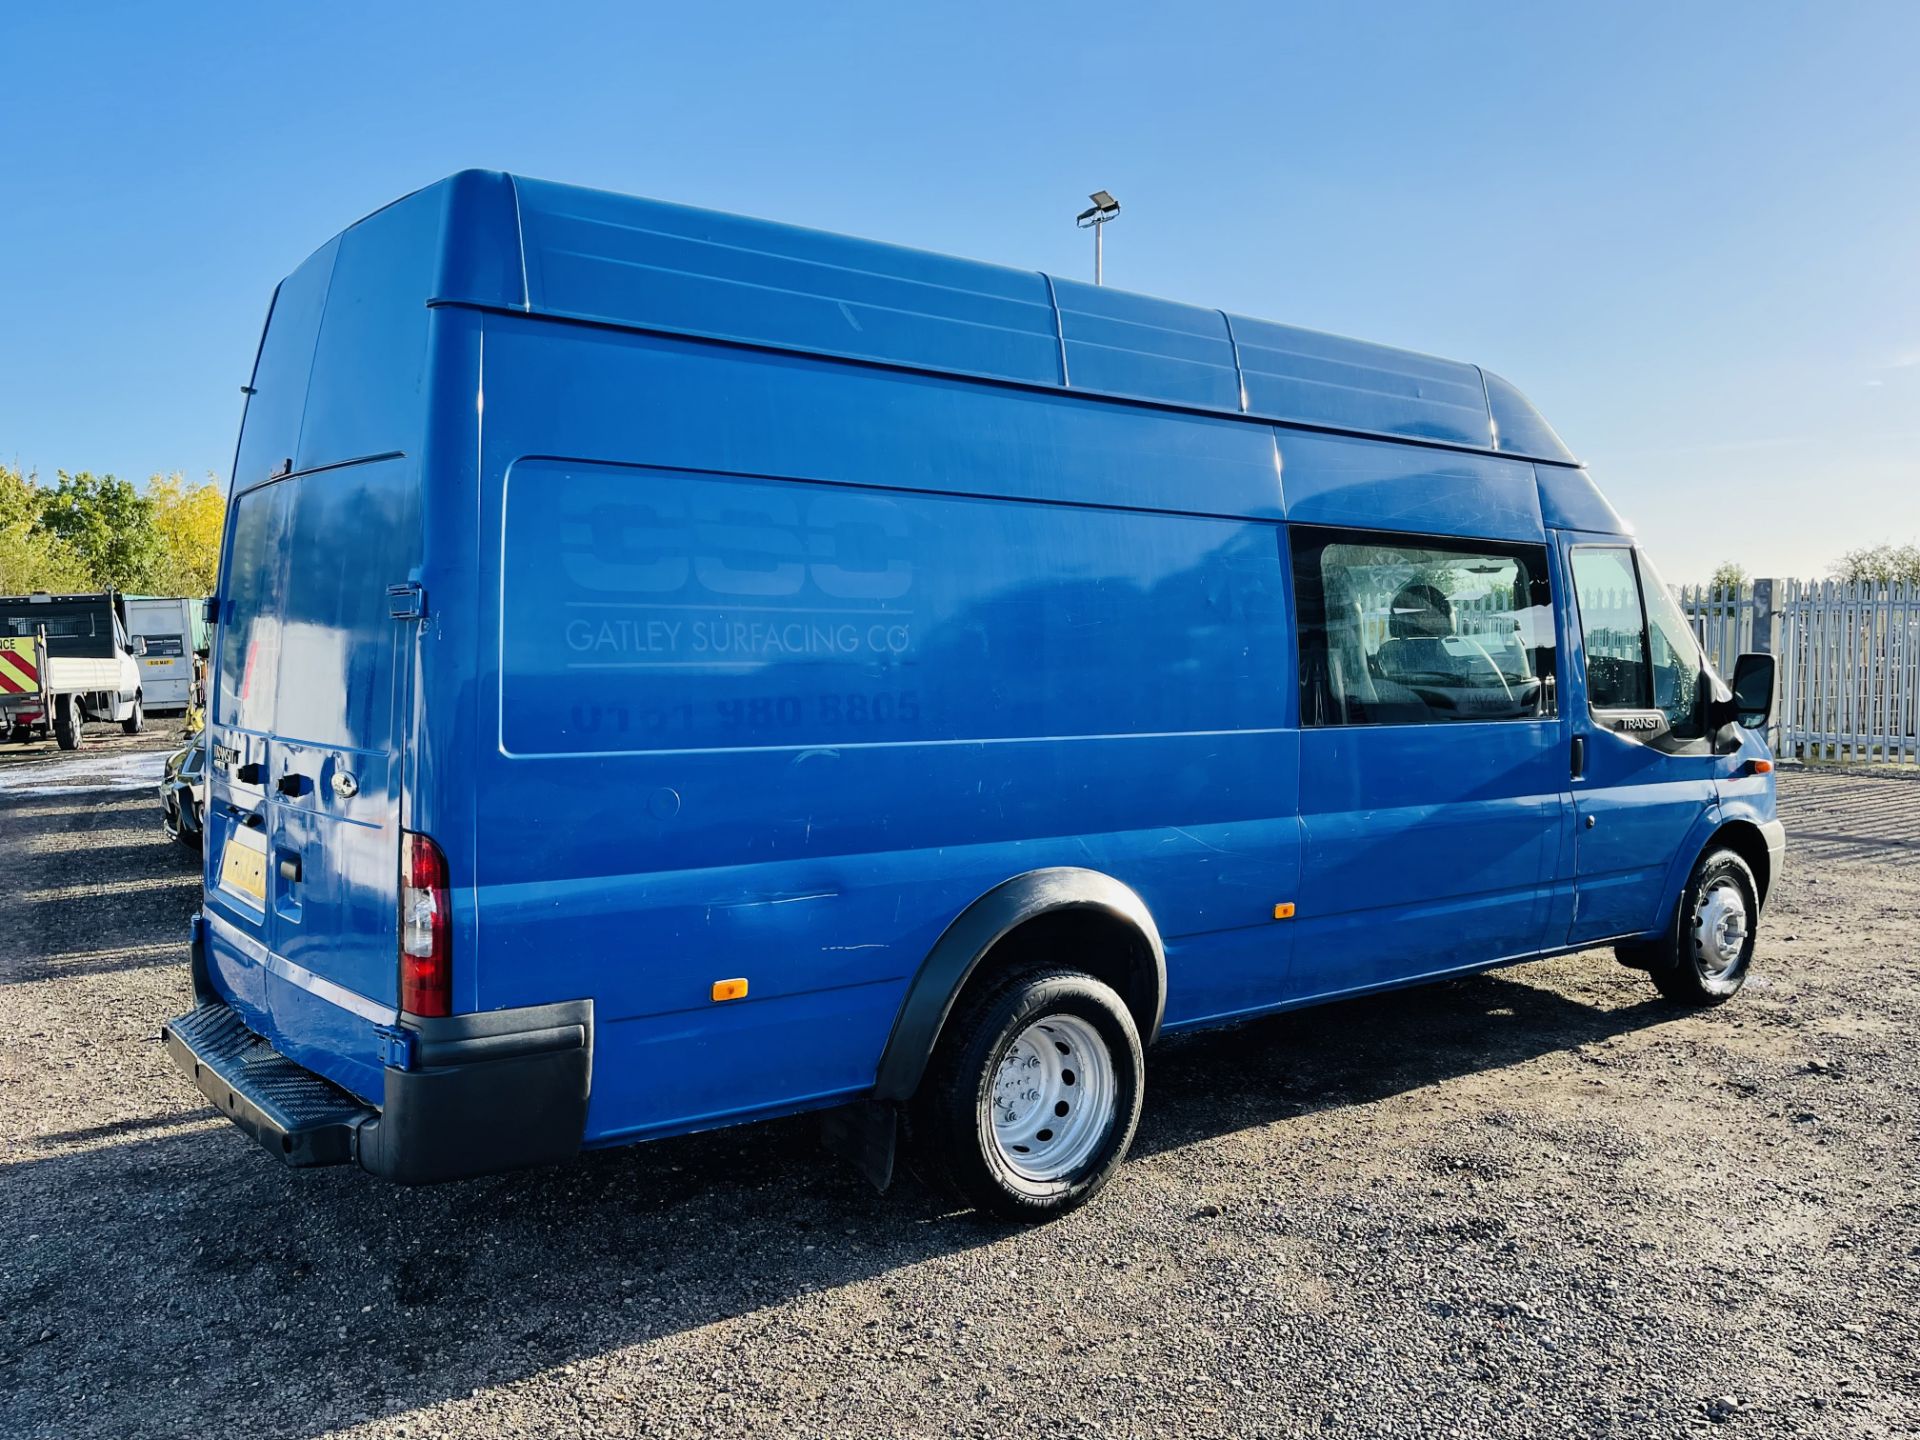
(174, 633)
(66, 660)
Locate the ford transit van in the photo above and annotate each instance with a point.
(675, 669)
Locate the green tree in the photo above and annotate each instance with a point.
(1728, 578)
(1884, 564)
(31, 558)
(109, 524)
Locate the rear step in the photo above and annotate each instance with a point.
(293, 1112)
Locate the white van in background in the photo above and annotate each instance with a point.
(169, 626)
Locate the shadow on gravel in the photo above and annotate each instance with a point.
(362, 1299)
(1833, 814)
(1358, 1051)
(104, 931)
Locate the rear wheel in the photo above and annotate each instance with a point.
(1033, 1095)
(19, 734)
(69, 723)
(1705, 960)
(136, 718)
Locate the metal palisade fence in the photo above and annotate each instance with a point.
(1849, 660)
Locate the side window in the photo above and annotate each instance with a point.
(1613, 627)
(1677, 662)
(1641, 654)
(1402, 630)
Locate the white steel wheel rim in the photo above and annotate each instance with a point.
(1720, 928)
(1052, 1099)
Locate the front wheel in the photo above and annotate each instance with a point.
(1033, 1095)
(136, 718)
(1705, 960)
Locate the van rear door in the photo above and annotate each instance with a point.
(304, 822)
(166, 665)
(305, 786)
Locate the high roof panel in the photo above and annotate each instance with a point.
(622, 260)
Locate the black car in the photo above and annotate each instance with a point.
(183, 793)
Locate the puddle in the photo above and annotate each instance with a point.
(138, 770)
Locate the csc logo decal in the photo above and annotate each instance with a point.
(734, 539)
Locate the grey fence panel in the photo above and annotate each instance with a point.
(1848, 655)
(1850, 658)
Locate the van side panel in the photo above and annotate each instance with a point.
(881, 599)
(1337, 480)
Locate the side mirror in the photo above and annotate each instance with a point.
(139, 644)
(210, 610)
(1753, 684)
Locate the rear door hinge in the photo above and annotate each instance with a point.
(407, 601)
(396, 1046)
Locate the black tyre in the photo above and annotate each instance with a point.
(69, 723)
(134, 722)
(19, 734)
(1032, 1097)
(1705, 959)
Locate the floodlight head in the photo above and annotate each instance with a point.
(1103, 201)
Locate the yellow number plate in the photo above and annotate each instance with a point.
(244, 869)
(161, 661)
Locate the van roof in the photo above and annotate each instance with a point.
(536, 247)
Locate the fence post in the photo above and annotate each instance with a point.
(1765, 640)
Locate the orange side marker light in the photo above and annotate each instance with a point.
(1283, 911)
(1763, 767)
(729, 989)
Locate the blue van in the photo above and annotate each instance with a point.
(675, 669)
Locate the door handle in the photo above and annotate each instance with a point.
(1579, 757)
(290, 868)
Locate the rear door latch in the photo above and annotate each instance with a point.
(407, 601)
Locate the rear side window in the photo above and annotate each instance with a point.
(251, 586)
(1410, 630)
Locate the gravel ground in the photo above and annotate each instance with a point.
(1532, 1203)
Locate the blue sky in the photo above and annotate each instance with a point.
(1690, 233)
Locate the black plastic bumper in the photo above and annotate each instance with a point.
(481, 1093)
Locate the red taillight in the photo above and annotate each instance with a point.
(426, 929)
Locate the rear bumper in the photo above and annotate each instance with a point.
(478, 1093)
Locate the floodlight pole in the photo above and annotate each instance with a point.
(1104, 208)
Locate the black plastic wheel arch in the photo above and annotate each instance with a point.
(981, 926)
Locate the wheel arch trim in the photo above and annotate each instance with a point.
(972, 936)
